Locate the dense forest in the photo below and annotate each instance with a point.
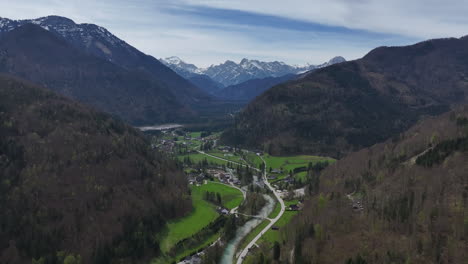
(346, 107)
(402, 201)
(77, 184)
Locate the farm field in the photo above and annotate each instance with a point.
(275, 211)
(253, 159)
(197, 157)
(301, 176)
(274, 235)
(228, 156)
(230, 197)
(203, 213)
(292, 162)
(287, 164)
(195, 134)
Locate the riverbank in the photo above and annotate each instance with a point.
(242, 232)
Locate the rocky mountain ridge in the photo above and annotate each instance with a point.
(232, 73)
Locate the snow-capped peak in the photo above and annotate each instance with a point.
(84, 35)
(230, 72)
(184, 69)
(337, 59)
(173, 60)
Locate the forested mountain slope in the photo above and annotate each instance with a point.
(35, 54)
(99, 42)
(250, 89)
(77, 182)
(402, 201)
(351, 105)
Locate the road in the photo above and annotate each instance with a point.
(272, 222)
(233, 186)
(244, 194)
(209, 155)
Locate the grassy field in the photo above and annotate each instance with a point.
(230, 197)
(197, 157)
(235, 157)
(275, 211)
(289, 163)
(290, 202)
(195, 134)
(193, 144)
(206, 243)
(203, 213)
(253, 159)
(301, 176)
(274, 235)
(186, 252)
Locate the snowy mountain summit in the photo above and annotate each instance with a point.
(93, 38)
(185, 69)
(232, 73)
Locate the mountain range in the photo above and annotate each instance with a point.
(351, 105)
(232, 73)
(97, 68)
(79, 185)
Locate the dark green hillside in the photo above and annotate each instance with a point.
(346, 107)
(250, 89)
(402, 201)
(76, 182)
(32, 53)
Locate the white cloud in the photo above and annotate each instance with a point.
(414, 18)
(198, 39)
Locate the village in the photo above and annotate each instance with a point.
(211, 167)
(189, 147)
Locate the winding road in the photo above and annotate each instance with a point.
(252, 243)
(244, 194)
(273, 221)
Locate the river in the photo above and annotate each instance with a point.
(243, 231)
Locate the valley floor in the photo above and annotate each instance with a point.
(212, 168)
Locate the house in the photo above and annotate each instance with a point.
(225, 148)
(222, 211)
(294, 207)
(289, 180)
(271, 177)
(199, 179)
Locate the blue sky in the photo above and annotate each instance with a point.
(206, 32)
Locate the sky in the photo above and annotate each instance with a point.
(206, 32)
